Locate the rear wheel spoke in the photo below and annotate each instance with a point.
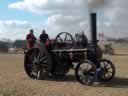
(43, 59)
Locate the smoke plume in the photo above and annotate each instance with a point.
(94, 5)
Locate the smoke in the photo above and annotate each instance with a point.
(94, 5)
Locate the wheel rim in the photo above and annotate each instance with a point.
(65, 39)
(107, 71)
(34, 63)
(85, 73)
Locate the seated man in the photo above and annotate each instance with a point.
(30, 38)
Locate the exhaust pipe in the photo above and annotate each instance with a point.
(93, 28)
(92, 52)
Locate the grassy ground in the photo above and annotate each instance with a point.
(15, 82)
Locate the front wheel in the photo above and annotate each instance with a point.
(85, 72)
(107, 70)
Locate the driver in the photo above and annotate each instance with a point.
(84, 40)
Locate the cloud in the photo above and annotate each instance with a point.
(60, 23)
(70, 15)
(48, 6)
(64, 15)
(116, 13)
(14, 29)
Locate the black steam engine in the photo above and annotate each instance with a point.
(65, 53)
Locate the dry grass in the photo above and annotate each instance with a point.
(14, 81)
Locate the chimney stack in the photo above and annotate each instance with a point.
(93, 28)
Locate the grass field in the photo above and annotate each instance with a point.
(15, 82)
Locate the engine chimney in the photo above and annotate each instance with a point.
(92, 52)
(93, 28)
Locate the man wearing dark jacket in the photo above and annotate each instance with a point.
(44, 38)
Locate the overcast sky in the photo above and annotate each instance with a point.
(18, 16)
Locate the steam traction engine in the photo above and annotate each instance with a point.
(63, 53)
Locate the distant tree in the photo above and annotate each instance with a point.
(3, 46)
(19, 43)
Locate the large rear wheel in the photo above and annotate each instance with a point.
(35, 63)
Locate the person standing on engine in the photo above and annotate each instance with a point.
(31, 39)
(44, 38)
